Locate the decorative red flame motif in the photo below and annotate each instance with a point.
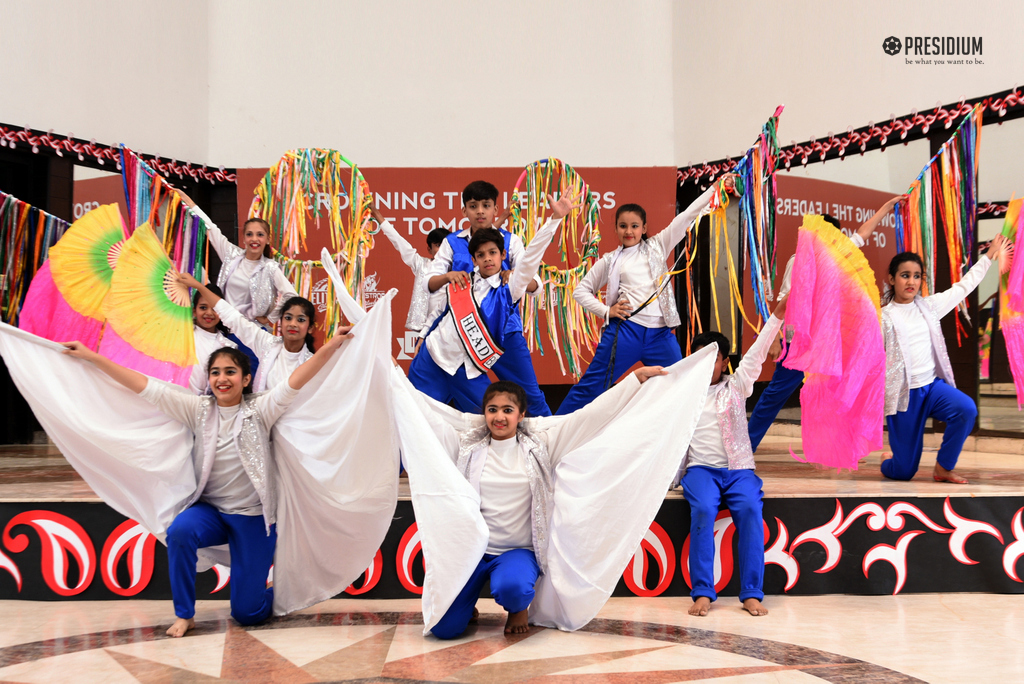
(60, 537)
(963, 528)
(408, 548)
(7, 564)
(724, 562)
(1015, 549)
(777, 554)
(370, 577)
(894, 555)
(223, 576)
(128, 539)
(657, 543)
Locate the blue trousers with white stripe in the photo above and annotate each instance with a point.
(705, 489)
(252, 554)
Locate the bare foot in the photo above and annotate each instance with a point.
(517, 623)
(180, 627)
(701, 606)
(476, 616)
(754, 607)
(940, 474)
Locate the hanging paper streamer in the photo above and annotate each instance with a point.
(1011, 296)
(755, 183)
(26, 235)
(153, 200)
(149, 314)
(946, 190)
(291, 193)
(834, 312)
(65, 299)
(571, 329)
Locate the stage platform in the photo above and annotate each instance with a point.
(825, 532)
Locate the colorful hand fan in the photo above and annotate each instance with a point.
(149, 314)
(837, 341)
(570, 328)
(1011, 297)
(65, 299)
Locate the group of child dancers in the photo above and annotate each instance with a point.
(465, 307)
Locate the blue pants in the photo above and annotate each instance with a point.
(254, 361)
(652, 346)
(516, 366)
(429, 378)
(252, 554)
(705, 488)
(783, 383)
(512, 574)
(906, 428)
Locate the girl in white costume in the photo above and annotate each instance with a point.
(209, 337)
(278, 356)
(562, 501)
(330, 481)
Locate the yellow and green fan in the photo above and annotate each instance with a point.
(149, 314)
(83, 261)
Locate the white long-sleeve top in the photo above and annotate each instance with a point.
(636, 282)
(444, 343)
(276, 362)
(707, 447)
(505, 498)
(423, 308)
(442, 261)
(236, 290)
(228, 488)
(206, 344)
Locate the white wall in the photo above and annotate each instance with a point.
(736, 61)
(114, 71)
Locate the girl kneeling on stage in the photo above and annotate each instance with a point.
(235, 500)
(719, 466)
(919, 379)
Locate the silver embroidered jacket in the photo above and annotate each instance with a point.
(473, 447)
(933, 308)
(261, 282)
(667, 299)
(731, 400)
(253, 442)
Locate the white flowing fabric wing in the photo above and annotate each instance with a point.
(134, 456)
(338, 463)
(452, 530)
(608, 490)
(349, 306)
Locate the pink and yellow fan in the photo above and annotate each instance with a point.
(149, 314)
(65, 299)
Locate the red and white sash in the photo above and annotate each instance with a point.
(476, 338)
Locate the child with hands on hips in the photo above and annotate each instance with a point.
(235, 500)
(919, 378)
(641, 311)
(719, 466)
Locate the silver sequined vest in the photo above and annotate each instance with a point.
(261, 282)
(667, 299)
(473, 445)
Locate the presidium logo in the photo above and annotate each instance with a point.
(935, 49)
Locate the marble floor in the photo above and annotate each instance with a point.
(910, 638)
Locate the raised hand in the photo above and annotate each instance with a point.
(188, 280)
(648, 372)
(996, 247)
(561, 207)
(377, 216)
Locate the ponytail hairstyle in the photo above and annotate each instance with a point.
(238, 358)
(308, 309)
(196, 297)
(636, 209)
(894, 266)
(266, 228)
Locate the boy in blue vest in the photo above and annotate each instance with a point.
(481, 323)
(453, 263)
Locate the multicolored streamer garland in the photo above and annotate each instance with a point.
(1011, 296)
(570, 328)
(26, 235)
(153, 200)
(835, 315)
(291, 192)
(946, 188)
(755, 182)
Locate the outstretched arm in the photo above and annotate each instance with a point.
(406, 251)
(221, 245)
(308, 370)
(188, 280)
(133, 380)
(681, 224)
(527, 267)
(868, 227)
(750, 365)
(944, 302)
